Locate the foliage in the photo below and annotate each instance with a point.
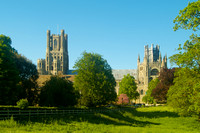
(128, 86)
(58, 92)
(17, 75)
(28, 78)
(189, 17)
(152, 85)
(166, 78)
(22, 104)
(8, 73)
(94, 81)
(185, 93)
(123, 99)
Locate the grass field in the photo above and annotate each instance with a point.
(160, 119)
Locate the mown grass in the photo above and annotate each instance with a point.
(141, 120)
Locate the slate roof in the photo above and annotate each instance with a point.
(119, 73)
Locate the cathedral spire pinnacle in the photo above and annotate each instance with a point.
(139, 57)
(160, 58)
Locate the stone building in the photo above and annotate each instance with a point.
(57, 63)
(57, 59)
(146, 71)
(150, 68)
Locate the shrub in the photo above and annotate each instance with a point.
(58, 92)
(22, 104)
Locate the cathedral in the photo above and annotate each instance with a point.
(149, 69)
(57, 63)
(57, 59)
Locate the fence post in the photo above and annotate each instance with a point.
(8, 113)
(29, 115)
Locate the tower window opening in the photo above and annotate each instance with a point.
(141, 92)
(55, 44)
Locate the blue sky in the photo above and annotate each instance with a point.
(116, 29)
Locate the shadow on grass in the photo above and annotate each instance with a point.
(112, 117)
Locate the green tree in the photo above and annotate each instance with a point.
(128, 86)
(9, 75)
(58, 92)
(95, 80)
(152, 85)
(189, 17)
(185, 93)
(28, 78)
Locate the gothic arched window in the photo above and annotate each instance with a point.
(154, 72)
(141, 92)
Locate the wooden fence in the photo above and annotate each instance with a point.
(6, 114)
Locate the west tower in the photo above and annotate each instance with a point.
(57, 59)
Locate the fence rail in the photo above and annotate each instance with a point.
(4, 114)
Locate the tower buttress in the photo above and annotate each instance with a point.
(62, 40)
(138, 66)
(138, 61)
(48, 40)
(165, 60)
(160, 58)
(151, 54)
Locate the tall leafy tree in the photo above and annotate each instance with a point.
(18, 75)
(95, 80)
(28, 78)
(9, 75)
(58, 92)
(152, 85)
(166, 78)
(185, 90)
(128, 86)
(184, 95)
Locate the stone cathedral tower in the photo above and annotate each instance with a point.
(149, 69)
(57, 60)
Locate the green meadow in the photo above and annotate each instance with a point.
(160, 119)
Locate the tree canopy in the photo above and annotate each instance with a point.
(58, 92)
(189, 17)
(28, 78)
(184, 95)
(18, 75)
(9, 75)
(95, 80)
(128, 86)
(166, 78)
